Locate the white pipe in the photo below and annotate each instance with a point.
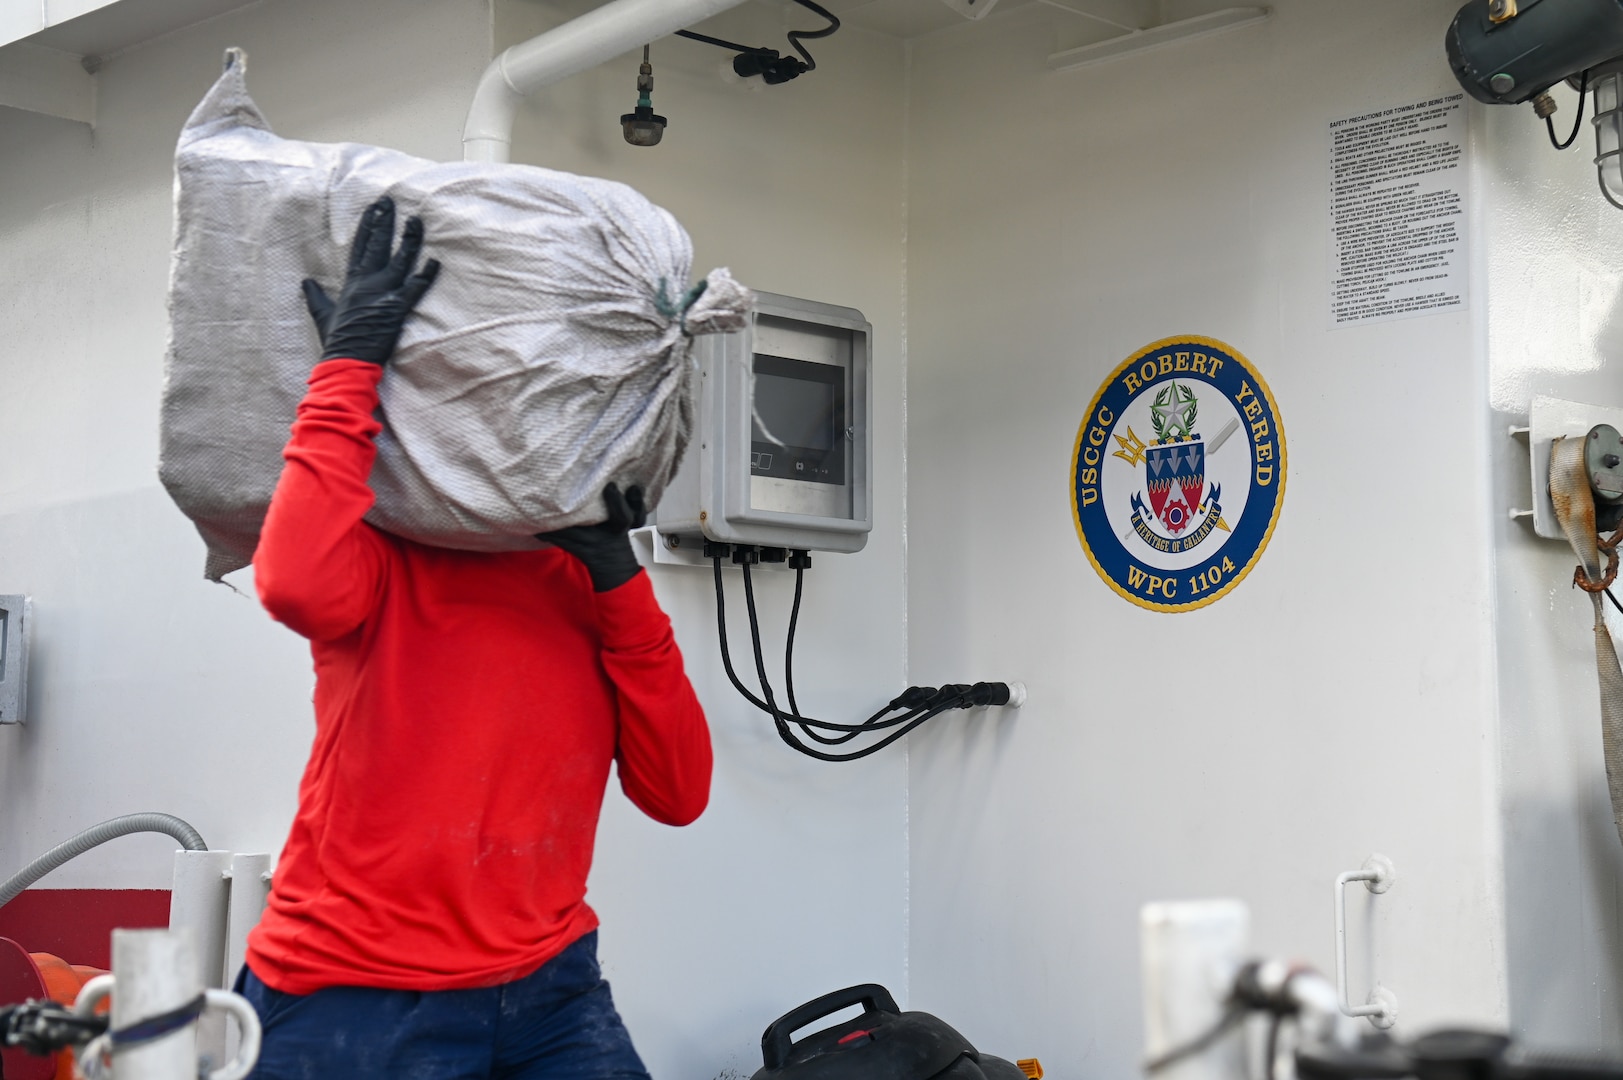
(1190, 952)
(615, 28)
(250, 888)
(200, 903)
(155, 972)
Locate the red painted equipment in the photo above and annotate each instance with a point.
(38, 976)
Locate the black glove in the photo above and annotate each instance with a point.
(365, 322)
(605, 548)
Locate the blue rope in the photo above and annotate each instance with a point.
(678, 309)
(158, 1026)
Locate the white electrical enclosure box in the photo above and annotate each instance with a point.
(781, 455)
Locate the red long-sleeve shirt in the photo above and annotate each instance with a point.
(467, 709)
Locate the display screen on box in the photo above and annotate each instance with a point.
(799, 420)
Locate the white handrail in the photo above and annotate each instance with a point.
(1377, 875)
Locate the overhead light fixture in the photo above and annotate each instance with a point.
(641, 126)
(1507, 53)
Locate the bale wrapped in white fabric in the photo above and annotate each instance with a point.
(550, 358)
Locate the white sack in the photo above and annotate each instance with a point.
(550, 358)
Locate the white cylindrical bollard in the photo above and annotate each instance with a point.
(250, 888)
(155, 972)
(1191, 952)
(201, 903)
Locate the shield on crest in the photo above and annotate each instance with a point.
(1177, 480)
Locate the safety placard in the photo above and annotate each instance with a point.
(1178, 474)
(1397, 212)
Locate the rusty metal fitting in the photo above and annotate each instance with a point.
(1501, 10)
(1545, 106)
(1581, 579)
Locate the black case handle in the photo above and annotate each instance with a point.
(775, 1042)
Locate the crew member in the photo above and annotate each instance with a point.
(428, 915)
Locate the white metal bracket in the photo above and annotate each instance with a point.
(1381, 1007)
(1155, 37)
(653, 548)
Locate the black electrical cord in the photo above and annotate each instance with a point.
(952, 700)
(771, 704)
(1231, 1017)
(721, 44)
(732, 675)
(1613, 599)
(795, 39)
(782, 722)
(796, 36)
(1577, 125)
(917, 705)
(1271, 1070)
(789, 646)
(760, 669)
(789, 670)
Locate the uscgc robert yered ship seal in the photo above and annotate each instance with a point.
(1178, 474)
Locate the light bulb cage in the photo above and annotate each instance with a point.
(1608, 120)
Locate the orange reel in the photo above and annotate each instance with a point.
(38, 976)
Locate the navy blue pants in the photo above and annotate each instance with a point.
(557, 1024)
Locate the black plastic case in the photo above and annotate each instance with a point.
(883, 1043)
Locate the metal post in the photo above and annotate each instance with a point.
(156, 967)
(200, 903)
(156, 972)
(250, 889)
(1191, 953)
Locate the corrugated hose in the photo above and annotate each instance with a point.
(95, 836)
(1575, 509)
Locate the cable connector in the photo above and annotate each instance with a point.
(914, 697)
(983, 694)
(773, 69)
(46, 1027)
(906, 712)
(961, 696)
(1011, 695)
(769, 64)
